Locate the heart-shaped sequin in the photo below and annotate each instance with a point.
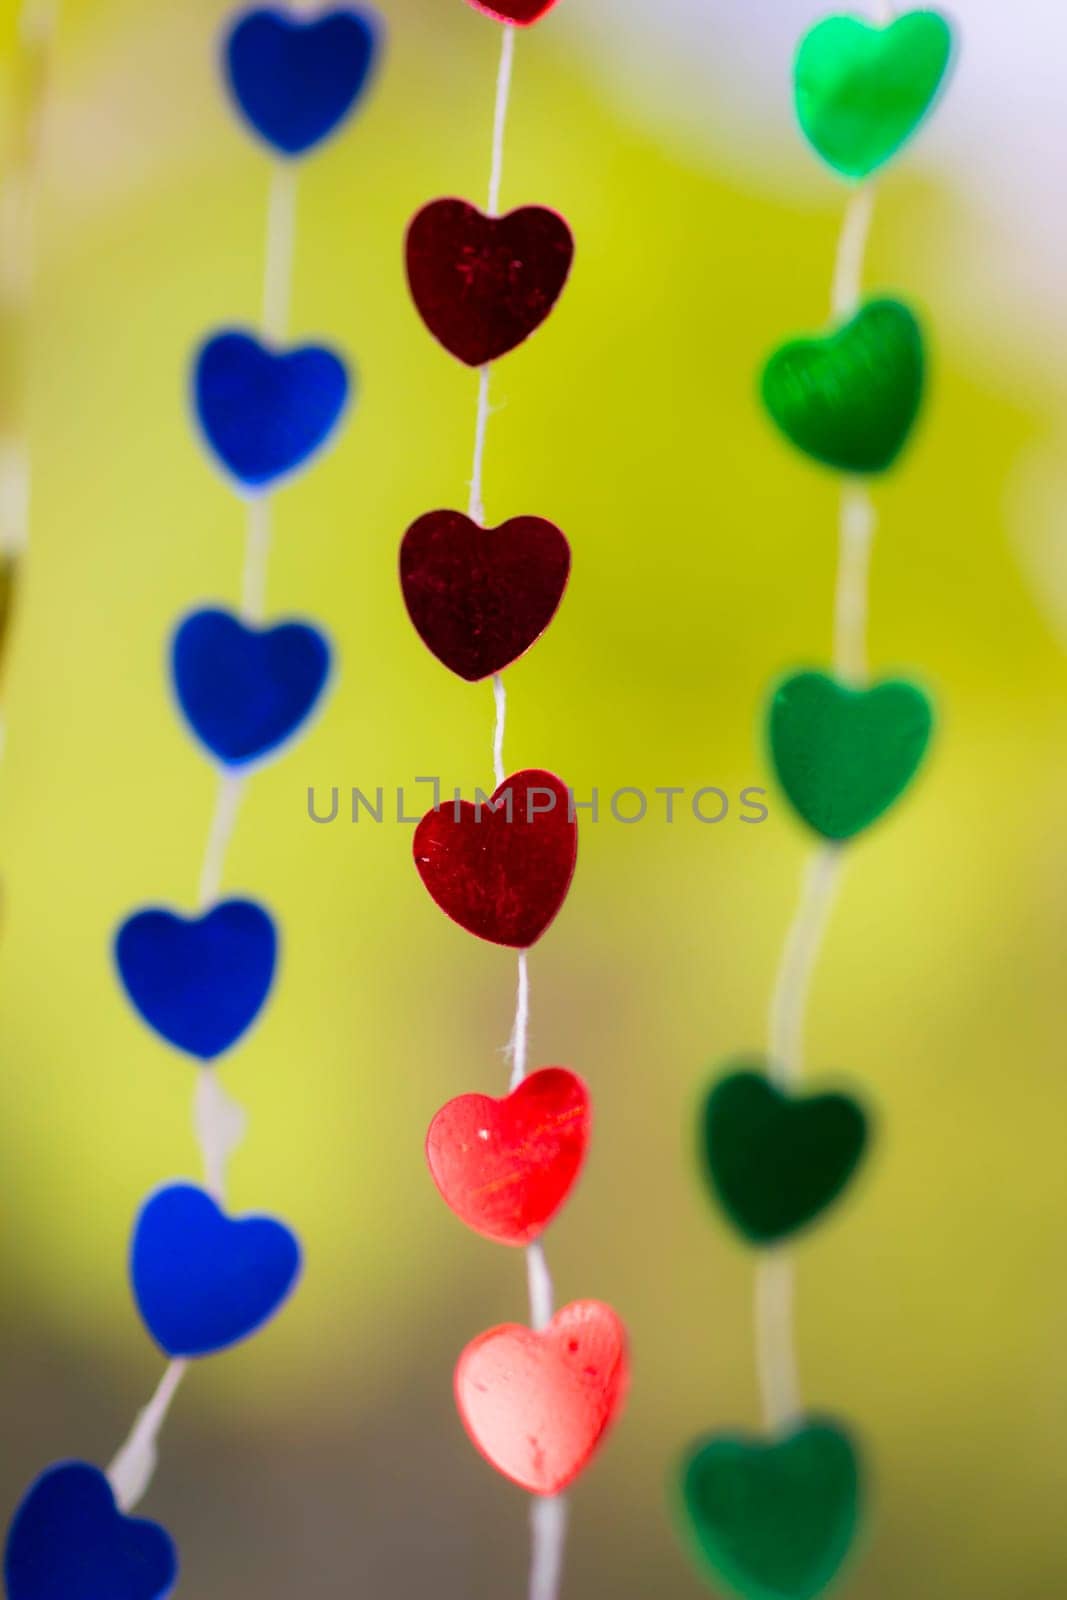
(296, 79)
(483, 284)
(538, 1404)
(198, 981)
(479, 597)
(506, 1166)
(69, 1541)
(843, 755)
(776, 1160)
(850, 398)
(862, 89)
(265, 412)
(501, 866)
(774, 1520)
(202, 1280)
(520, 12)
(245, 690)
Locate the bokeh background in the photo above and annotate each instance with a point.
(325, 1457)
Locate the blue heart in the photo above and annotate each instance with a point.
(296, 78)
(245, 690)
(68, 1541)
(203, 1280)
(265, 412)
(198, 981)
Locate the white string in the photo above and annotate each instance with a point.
(851, 596)
(281, 238)
(500, 117)
(219, 1124)
(476, 506)
(517, 1047)
(774, 1289)
(132, 1470)
(257, 555)
(548, 1515)
(548, 1527)
(790, 995)
(475, 503)
(227, 804)
(851, 249)
(500, 702)
(776, 1361)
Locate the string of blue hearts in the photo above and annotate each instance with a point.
(778, 1516)
(203, 1280)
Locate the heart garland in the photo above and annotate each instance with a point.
(535, 1401)
(203, 1280)
(776, 1517)
(776, 1159)
(862, 88)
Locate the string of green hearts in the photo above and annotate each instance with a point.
(775, 1515)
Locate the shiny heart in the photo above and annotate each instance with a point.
(69, 1541)
(297, 78)
(506, 1166)
(202, 1280)
(850, 398)
(501, 867)
(844, 755)
(538, 1404)
(199, 982)
(483, 284)
(245, 690)
(479, 597)
(863, 89)
(265, 412)
(774, 1521)
(520, 12)
(776, 1160)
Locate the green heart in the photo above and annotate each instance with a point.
(862, 90)
(775, 1160)
(844, 755)
(850, 397)
(774, 1521)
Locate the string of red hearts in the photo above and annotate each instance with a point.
(535, 1401)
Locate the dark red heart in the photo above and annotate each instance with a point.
(521, 12)
(538, 1404)
(501, 868)
(479, 597)
(506, 1166)
(483, 284)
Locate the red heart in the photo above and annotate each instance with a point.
(479, 597)
(521, 12)
(506, 1166)
(537, 1404)
(483, 284)
(501, 867)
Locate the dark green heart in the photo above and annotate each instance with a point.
(844, 755)
(862, 90)
(775, 1160)
(849, 398)
(774, 1521)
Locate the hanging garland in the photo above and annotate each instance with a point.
(535, 1401)
(203, 1280)
(775, 1516)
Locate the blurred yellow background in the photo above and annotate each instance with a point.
(325, 1457)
